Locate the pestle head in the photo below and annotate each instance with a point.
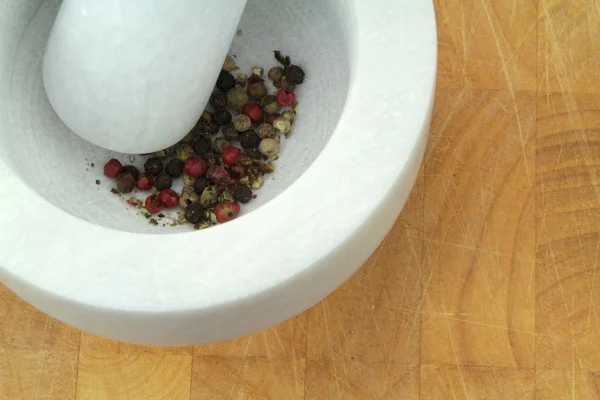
(135, 76)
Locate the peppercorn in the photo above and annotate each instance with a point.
(253, 80)
(202, 145)
(195, 167)
(225, 212)
(242, 123)
(258, 182)
(286, 98)
(194, 213)
(226, 197)
(269, 147)
(218, 100)
(220, 145)
(210, 171)
(241, 79)
(272, 117)
(230, 155)
(238, 171)
(125, 182)
(211, 159)
(237, 97)
(168, 198)
(163, 181)
(284, 60)
(277, 83)
(131, 169)
(153, 165)
(146, 181)
(113, 168)
(253, 111)
(249, 139)
(225, 81)
(294, 75)
(201, 184)
(222, 116)
(283, 125)
(209, 196)
(243, 193)
(175, 168)
(206, 116)
(188, 180)
(153, 205)
(208, 127)
(229, 64)
(183, 151)
(230, 133)
(266, 131)
(184, 198)
(218, 173)
(258, 71)
(275, 74)
(270, 104)
(285, 85)
(252, 153)
(258, 90)
(289, 115)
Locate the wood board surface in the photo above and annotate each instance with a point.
(485, 288)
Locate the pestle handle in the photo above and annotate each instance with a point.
(134, 76)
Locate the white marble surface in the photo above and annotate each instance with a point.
(134, 76)
(352, 171)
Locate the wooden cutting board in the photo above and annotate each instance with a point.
(487, 287)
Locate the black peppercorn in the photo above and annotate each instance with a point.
(130, 169)
(230, 133)
(201, 184)
(210, 127)
(249, 139)
(163, 181)
(202, 145)
(294, 75)
(222, 116)
(225, 81)
(253, 153)
(243, 193)
(218, 100)
(153, 165)
(125, 182)
(194, 213)
(175, 168)
(211, 159)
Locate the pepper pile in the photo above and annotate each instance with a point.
(224, 157)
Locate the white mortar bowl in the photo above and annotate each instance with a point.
(72, 250)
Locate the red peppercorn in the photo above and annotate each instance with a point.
(252, 80)
(153, 204)
(113, 168)
(253, 111)
(272, 117)
(195, 167)
(231, 154)
(225, 212)
(168, 198)
(218, 173)
(286, 98)
(146, 181)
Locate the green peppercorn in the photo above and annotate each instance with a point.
(222, 116)
(184, 151)
(210, 196)
(163, 181)
(230, 133)
(269, 147)
(202, 145)
(289, 115)
(201, 184)
(275, 74)
(125, 182)
(218, 100)
(258, 90)
(175, 168)
(226, 197)
(270, 104)
(258, 182)
(294, 75)
(266, 131)
(243, 193)
(242, 123)
(221, 144)
(283, 125)
(225, 81)
(249, 139)
(194, 213)
(153, 165)
(237, 98)
(131, 169)
(188, 180)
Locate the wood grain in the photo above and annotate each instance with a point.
(487, 286)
